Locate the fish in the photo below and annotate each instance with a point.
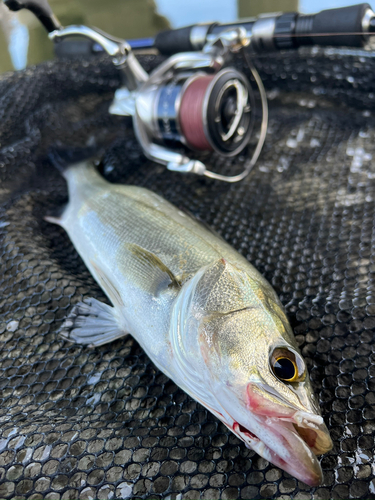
(202, 313)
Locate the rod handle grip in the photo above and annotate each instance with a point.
(333, 26)
(170, 42)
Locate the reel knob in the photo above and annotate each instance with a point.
(40, 8)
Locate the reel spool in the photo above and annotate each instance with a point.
(206, 112)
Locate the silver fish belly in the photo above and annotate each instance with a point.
(203, 314)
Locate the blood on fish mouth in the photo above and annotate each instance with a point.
(238, 427)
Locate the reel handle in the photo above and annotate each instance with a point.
(113, 47)
(40, 8)
(133, 75)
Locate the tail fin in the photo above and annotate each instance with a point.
(63, 159)
(76, 165)
(54, 219)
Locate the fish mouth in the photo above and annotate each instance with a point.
(291, 443)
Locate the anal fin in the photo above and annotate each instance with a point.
(92, 322)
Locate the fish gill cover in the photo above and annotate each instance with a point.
(104, 423)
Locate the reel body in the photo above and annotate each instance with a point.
(195, 100)
(202, 111)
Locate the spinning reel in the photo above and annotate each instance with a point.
(195, 100)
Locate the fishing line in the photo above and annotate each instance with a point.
(191, 115)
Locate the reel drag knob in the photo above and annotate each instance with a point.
(40, 8)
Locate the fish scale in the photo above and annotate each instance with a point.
(134, 215)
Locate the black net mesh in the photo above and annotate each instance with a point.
(104, 423)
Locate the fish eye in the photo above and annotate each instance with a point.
(284, 364)
(285, 369)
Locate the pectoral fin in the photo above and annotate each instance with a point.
(149, 272)
(92, 322)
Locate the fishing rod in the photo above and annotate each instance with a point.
(345, 26)
(196, 100)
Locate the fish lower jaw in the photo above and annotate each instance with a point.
(312, 430)
(306, 469)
